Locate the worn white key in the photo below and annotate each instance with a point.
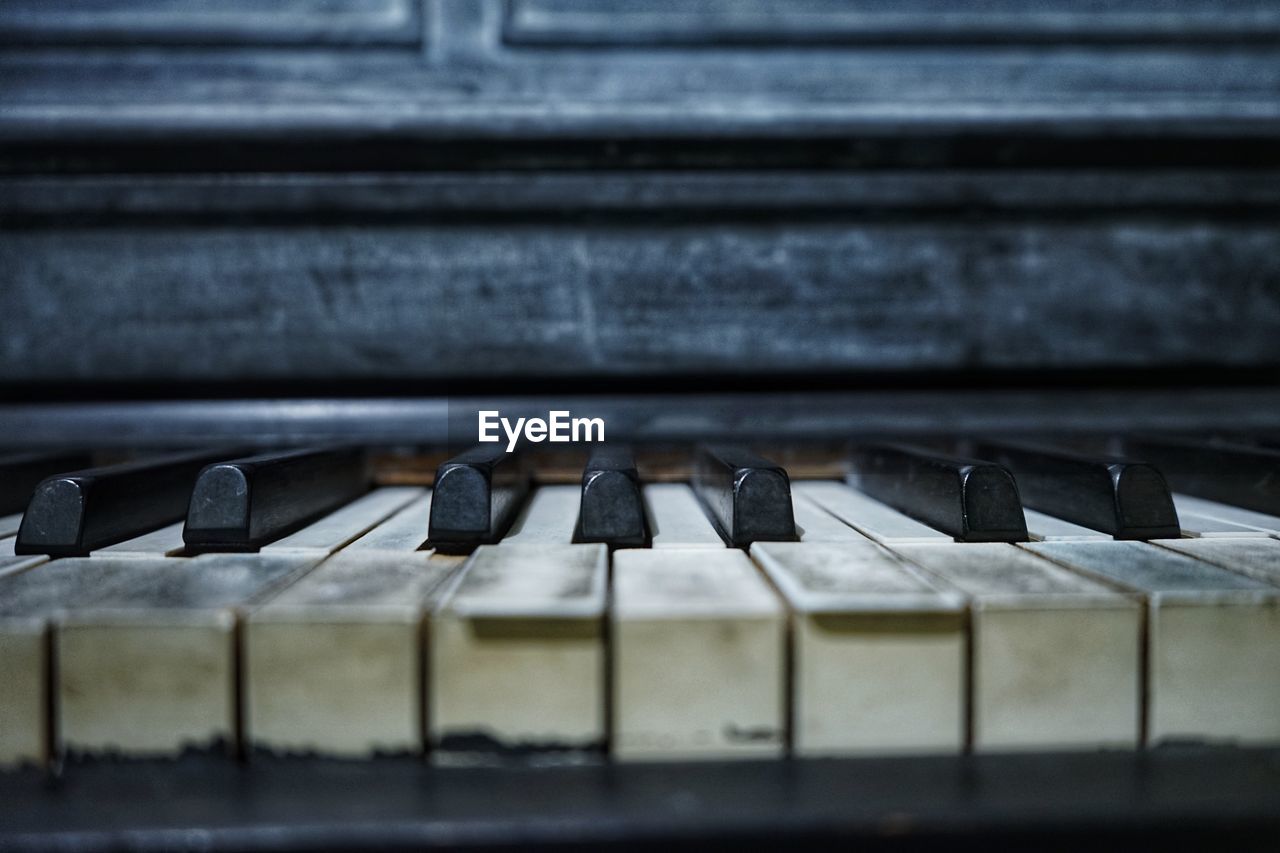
(1199, 526)
(517, 651)
(548, 518)
(11, 564)
(350, 522)
(677, 519)
(1047, 528)
(31, 592)
(149, 667)
(878, 654)
(6, 546)
(404, 531)
(868, 515)
(1258, 557)
(1233, 515)
(9, 524)
(333, 663)
(698, 642)
(816, 525)
(165, 542)
(1056, 656)
(1213, 645)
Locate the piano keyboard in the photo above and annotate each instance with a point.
(492, 615)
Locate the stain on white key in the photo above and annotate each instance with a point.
(1047, 528)
(1213, 640)
(548, 518)
(165, 542)
(32, 591)
(1257, 557)
(149, 668)
(517, 651)
(676, 518)
(333, 663)
(878, 653)
(869, 516)
(344, 525)
(698, 642)
(405, 531)
(1056, 656)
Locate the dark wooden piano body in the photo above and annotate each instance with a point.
(365, 219)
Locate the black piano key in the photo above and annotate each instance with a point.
(968, 499)
(72, 514)
(612, 509)
(1123, 497)
(475, 498)
(748, 496)
(20, 473)
(1236, 474)
(243, 504)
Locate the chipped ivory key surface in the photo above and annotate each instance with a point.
(1213, 640)
(341, 526)
(149, 667)
(677, 519)
(698, 641)
(517, 651)
(333, 663)
(406, 531)
(1056, 656)
(548, 517)
(866, 514)
(31, 592)
(878, 653)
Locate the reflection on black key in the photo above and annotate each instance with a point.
(748, 496)
(475, 498)
(20, 473)
(1234, 474)
(243, 504)
(72, 514)
(970, 500)
(612, 509)
(1125, 498)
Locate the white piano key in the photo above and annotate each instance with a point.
(6, 546)
(341, 526)
(148, 668)
(676, 518)
(548, 517)
(30, 594)
(517, 651)
(878, 654)
(1199, 526)
(698, 640)
(1246, 518)
(404, 531)
(333, 663)
(12, 564)
(1258, 557)
(868, 515)
(165, 542)
(1213, 640)
(1047, 528)
(1056, 656)
(816, 525)
(9, 524)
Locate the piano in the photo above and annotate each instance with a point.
(935, 496)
